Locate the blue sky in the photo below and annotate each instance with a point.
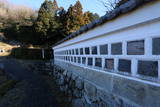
(88, 5)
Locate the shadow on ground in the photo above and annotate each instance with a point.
(32, 84)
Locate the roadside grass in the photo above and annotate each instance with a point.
(6, 86)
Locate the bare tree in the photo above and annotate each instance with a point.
(109, 4)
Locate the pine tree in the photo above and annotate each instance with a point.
(74, 18)
(61, 19)
(46, 22)
(89, 17)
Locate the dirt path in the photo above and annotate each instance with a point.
(37, 91)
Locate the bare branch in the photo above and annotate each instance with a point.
(109, 4)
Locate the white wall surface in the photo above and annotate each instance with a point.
(142, 24)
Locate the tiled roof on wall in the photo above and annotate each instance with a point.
(124, 8)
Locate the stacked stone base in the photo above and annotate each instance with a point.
(83, 93)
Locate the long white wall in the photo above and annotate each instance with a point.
(142, 25)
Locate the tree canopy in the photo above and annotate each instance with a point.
(48, 25)
(54, 23)
(46, 18)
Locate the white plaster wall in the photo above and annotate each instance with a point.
(135, 33)
(142, 24)
(143, 15)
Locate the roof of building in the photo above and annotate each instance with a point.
(122, 9)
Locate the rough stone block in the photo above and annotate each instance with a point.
(109, 99)
(77, 103)
(104, 49)
(74, 76)
(90, 90)
(135, 47)
(116, 49)
(109, 64)
(124, 65)
(79, 83)
(148, 68)
(87, 102)
(156, 46)
(153, 96)
(62, 88)
(65, 72)
(77, 93)
(69, 74)
(133, 91)
(65, 88)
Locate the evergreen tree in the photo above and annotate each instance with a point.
(46, 22)
(54, 23)
(89, 17)
(61, 19)
(74, 18)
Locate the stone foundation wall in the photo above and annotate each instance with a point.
(81, 92)
(89, 88)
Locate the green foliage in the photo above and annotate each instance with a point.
(74, 18)
(46, 22)
(51, 25)
(22, 33)
(61, 18)
(93, 16)
(89, 17)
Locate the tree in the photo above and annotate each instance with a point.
(86, 16)
(89, 17)
(110, 4)
(74, 17)
(46, 21)
(61, 19)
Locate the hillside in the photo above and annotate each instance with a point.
(11, 13)
(16, 23)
